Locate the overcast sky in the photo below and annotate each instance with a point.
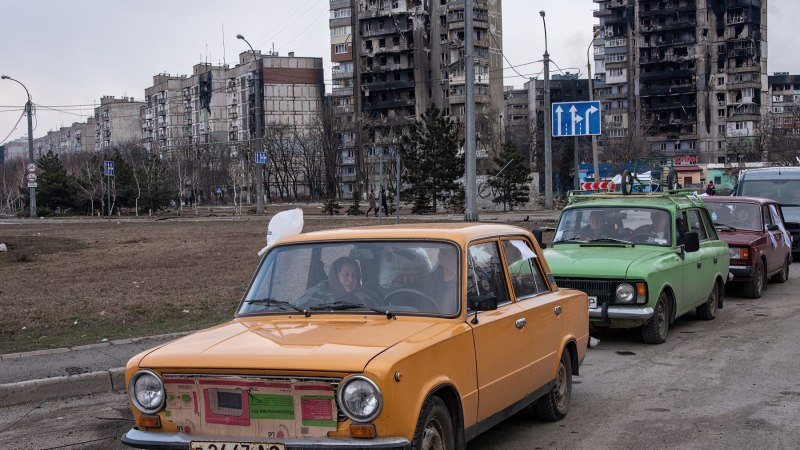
(69, 54)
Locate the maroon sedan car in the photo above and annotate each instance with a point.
(759, 244)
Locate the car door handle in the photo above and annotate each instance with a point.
(520, 323)
(715, 260)
(699, 265)
(557, 310)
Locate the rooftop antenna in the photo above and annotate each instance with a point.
(223, 44)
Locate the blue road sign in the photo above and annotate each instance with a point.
(219, 190)
(576, 119)
(261, 157)
(108, 168)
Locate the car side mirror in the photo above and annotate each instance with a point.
(773, 227)
(691, 241)
(537, 234)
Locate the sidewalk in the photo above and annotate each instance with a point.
(37, 375)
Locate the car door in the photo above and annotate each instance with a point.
(774, 243)
(692, 262)
(501, 337)
(541, 308)
(784, 240)
(705, 264)
(719, 249)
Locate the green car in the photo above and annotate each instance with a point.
(643, 259)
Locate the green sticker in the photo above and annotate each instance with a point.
(269, 406)
(171, 397)
(168, 413)
(186, 398)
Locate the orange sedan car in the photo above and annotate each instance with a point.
(395, 337)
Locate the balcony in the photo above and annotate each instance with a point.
(386, 68)
(667, 90)
(668, 10)
(386, 85)
(733, 53)
(601, 12)
(479, 98)
(667, 26)
(367, 12)
(162, 113)
(669, 42)
(389, 104)
(459, 24)
(379, 32)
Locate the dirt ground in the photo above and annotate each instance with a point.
(69, 282)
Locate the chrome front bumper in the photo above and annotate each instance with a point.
(179, 441)
(623, 312)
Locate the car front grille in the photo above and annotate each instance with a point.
(596, 288)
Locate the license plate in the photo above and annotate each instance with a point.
(592, 302)
(215, 445)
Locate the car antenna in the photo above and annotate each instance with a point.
(474, 320)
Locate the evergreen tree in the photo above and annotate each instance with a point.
(430, 159)
(355, 207)
(331, 207)
(510, 180)
(55, 185)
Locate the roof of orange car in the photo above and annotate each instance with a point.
(456, 231)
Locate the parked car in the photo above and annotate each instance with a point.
(398, 337)
(643, 259)
(781, 184)
(760, 246)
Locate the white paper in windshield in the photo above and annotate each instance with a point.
(526, 252)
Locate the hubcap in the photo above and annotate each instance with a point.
(712, 300)
(561, 386)
(661, 316)
(760, 278)
(432, 437)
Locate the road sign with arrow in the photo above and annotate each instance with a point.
(576, 119)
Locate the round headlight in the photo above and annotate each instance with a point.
(146, 391)
(360, 399)
(626, 293)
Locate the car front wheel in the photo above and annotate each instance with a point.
(654, 331)
(708, 310)
(434, 428)
(754, 288)
(554, 405)
(784, 273)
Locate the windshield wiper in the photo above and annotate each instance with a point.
(348, 305)
(606, 239)
(571, 241)
(723, 225)
(271, 302)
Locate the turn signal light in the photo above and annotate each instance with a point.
(362, 430)
(149, 421)
(745, 253)
(641, 293)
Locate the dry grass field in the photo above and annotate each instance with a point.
(74, 282)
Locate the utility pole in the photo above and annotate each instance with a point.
(397, 195)
(258, 81)
(470, 175)
(380, 190)
(548, 128)
(576, 184)
(31, 159)
(591, 99)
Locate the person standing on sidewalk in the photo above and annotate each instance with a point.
(373, 204)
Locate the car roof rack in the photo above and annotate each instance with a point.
(672, 194)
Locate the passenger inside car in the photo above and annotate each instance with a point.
(597, 227)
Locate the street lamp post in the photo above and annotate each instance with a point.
(470, 152)
(29, 112)
(548, 128)
(258, 82)
(591, 99)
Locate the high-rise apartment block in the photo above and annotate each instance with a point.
(692, 73)
(117, 120)
(76, 138)
(784, 96)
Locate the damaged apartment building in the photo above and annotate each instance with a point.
(392, 59)
(691, 73)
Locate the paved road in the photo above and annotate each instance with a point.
(730, 384)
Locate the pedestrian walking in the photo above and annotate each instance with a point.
(711, 189)
(373, 204)
(383, 201)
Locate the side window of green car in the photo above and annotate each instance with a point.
(712, 232)
(696, 224)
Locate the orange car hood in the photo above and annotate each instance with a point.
(324, 344)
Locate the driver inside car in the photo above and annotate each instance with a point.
(441, 284)
(343, 285)
(658, 230)
(598, 228)
(743, 215)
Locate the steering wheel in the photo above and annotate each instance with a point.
(647, 235)
(422, 297)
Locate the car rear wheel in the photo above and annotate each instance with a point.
(434, 427)
(627, 182)
(708, 310)
(784, 273)
(554, 405)
(654, 331)
(754, 288)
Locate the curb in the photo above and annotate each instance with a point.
(53, 351)
(71, 386)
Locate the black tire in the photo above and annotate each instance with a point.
(755, 287)
(627, 182)
(434, 429)
(783, 275)
(655, 330)
(672, 179)
(554, 405)
(708, 310)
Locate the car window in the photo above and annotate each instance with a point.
(712, 232)
(739, 215)
(523, 269)
(696, 224)
(639, 225)
(485, 275)
(767, 217)
(681, 227)
(775, 215)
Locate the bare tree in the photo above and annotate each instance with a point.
(621, 144)
(12, 177)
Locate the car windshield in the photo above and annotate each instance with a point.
(785, 192)
(647, 226)
(791, 213)
(738, 215)
(391, 276)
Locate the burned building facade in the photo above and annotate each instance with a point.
(690, 72)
